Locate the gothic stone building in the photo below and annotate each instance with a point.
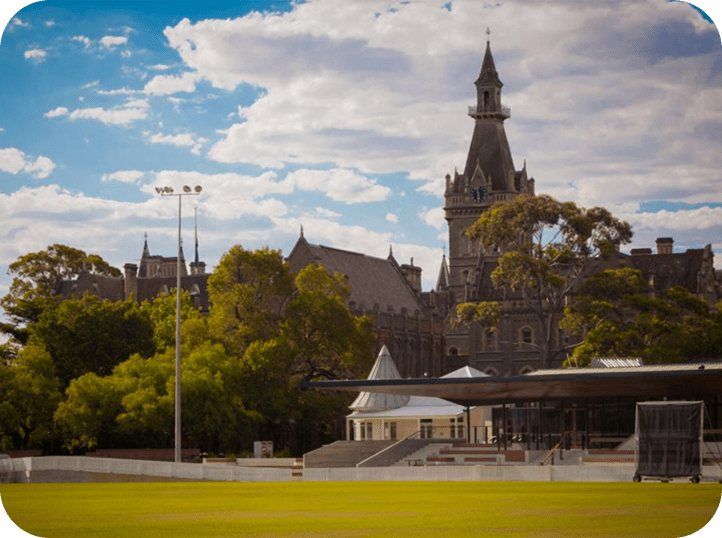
(489, 176)
(405, 319)
(414, 325)
(154, 276)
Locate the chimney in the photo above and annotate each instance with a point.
(665, 245)
(131, 280)
(412, 275)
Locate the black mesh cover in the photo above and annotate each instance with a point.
(669, 438)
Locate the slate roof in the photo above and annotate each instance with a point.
(374, 282)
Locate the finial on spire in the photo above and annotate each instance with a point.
(301, 230)
(488, 32)
(391, 251)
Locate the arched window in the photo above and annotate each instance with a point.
(526, 369)
(492, 372)
(490, 340)
(526, 335)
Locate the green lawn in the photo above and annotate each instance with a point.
(340, 509)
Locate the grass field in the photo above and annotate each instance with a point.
(351, 509)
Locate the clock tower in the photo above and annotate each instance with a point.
(489, 176)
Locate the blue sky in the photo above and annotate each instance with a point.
(344, 118)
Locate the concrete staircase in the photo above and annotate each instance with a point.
(343, 454)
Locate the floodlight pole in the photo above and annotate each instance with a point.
(168, 191)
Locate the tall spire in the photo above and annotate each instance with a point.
(146, 251)
(195, 217)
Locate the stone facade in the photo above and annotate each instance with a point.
(490, 176)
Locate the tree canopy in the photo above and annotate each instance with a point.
(541, 247)
(36, 279)
(616, 314)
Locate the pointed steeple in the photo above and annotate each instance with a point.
(146, 251)
(488, 74)
(443, 281)
(488, 92)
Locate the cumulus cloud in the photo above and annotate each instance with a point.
(434, 217)
(18, 22)
(56, 112)
(14, 161)
(35, 55)
(170, 84)
(340, 185)
(123, 176)
(122, 115)
(182, 140)
(110, 41)
(367, 88)
(82, 39)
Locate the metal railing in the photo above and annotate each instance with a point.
(558, 447)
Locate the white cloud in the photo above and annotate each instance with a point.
(434, 217)
(109, 41)
(327, 213)
(16, 21)
(340, 185)
(49, 23)
(56, 112)
(124, 176)
(159, 67)
(36, 55)
(122, 115)
(14, 161)
(82, 39)
(182, 140)
(392, 218)
(170, 84)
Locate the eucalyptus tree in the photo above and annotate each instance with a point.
(541, 247)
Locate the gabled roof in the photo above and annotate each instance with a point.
(374, 282)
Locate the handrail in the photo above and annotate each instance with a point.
(415, 435)
(372, 456)
(553, 451)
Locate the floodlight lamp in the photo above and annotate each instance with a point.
(169, 190)
(198, 188)
(158, 190)
(186, 188)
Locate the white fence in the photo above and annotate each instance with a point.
(65, 468)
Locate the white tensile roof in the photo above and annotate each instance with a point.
(384, 368)
(368, 405)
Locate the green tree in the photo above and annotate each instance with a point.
(616, 314)
(36, 279)
(543, 246)
(318, 339)
(248, 290)
(134, 406)
(326, 340)
(86, 417)
(90, 334)
(162, 314)
(29, 393)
